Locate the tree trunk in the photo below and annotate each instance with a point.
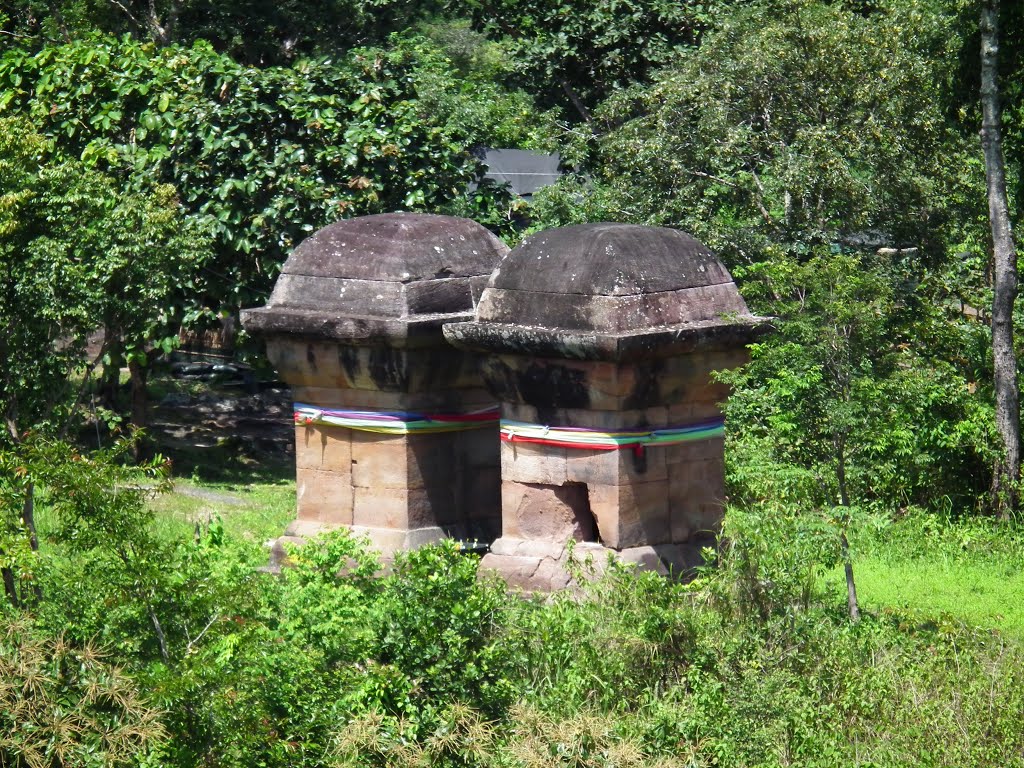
(1007, 471)
(28, 516)
(575, 99)
(852, 606)
(161, 639)
(162, 32)
(139, 375)
(139, 398)
(110, 385)
(10, 588)
(28, 519)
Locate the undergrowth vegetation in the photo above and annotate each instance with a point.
(180, 653)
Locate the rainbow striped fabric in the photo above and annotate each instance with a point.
(596, 440)
(396, 422)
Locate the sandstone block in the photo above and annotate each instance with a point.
(546, 513)
(512, 495)
(697, 493)
(322, 447)
(702, 480)
(683, 517)
(645, 558)
(324, 496)
(609, 420)
(710, 391)
(360, 399)
(666, 559)
(528, 548)
(517, 572)
(616, 467)
(697, 450)
(691, 412)
(605, 379)
(400, 461)
(520, 412)
(477, 448)
(402, 509)
(551, 575)
(632, 515)
(531, 463)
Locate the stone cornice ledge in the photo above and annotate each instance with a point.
(664, 341)
(415, 331)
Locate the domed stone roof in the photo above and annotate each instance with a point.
(351, 276)
(610, 278)
(608, 291)
(397, 247)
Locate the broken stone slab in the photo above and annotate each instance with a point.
(538, 567)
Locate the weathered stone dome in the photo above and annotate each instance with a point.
(351, 276)
(608, 291)
(610, 278)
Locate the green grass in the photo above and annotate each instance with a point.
(253, 512)
(986, 595)
(970, 569)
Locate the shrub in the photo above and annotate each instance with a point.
(63, 704)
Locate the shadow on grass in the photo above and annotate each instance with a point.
(229, 464)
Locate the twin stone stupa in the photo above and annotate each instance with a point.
(445, 386)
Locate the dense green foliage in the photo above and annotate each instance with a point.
(827, 155)
(577, 53)
(77, 252)
(265, 156)
(332, 663)
(262, 34)
(158, 161)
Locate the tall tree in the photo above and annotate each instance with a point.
(266, 155)
(574, 53)
(75, 251)
(1007, 475)
(799, 131)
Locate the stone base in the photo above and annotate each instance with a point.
(535, 566)
(386, 541)
(399, 490)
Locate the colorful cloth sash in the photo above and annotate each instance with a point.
(596, 440)
(396, 422)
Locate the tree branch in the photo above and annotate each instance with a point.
(192, 642)
(159, 630)
(575, 99)
(129, 14)
(81, 389)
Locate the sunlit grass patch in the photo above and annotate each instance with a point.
(989, 595)
(252, 512)
(970, 569)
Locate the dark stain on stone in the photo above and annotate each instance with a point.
(388, 369)
(311, 356)
(640, 460)
(500, 379)
(348, 358)
(553, 386)
(646, 391)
